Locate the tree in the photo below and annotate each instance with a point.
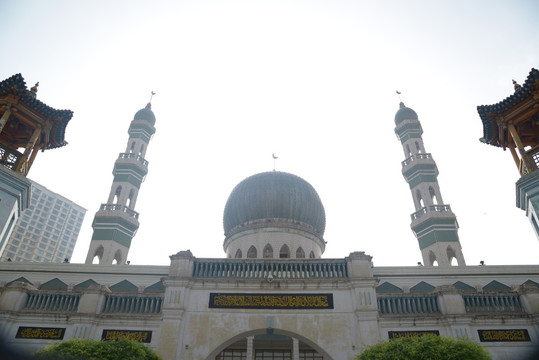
(428, 347)
(77, 349)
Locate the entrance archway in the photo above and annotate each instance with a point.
(274, 344)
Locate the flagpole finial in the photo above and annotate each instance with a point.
(151, 96)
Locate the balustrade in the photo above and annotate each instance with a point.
(400, 305)
(430, 208)
(278, 270)
(416, 157)
(126, 304)
(52, 302)
(134, 156)
(122, 208)
(492, 303)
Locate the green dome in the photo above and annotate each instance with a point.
(405, 113)
(146, 114)
(275, 195)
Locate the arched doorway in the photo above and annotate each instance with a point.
(264, 344)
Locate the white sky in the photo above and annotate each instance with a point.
(311, 81)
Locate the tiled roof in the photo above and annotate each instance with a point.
(15, 85)
(488, 113)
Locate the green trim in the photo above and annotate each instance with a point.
(422, 287)
(128, 178)
(436, 223)
(420, 169)
(459, 285)
(141, 126)
(388, 288)
(101, 221)
(418, 179)
(124, 286)
(437, 236)
(496, 286)
(409, 135)
(120, 167)
(113, 235)
(140, 135)
(21, 279)
(85, 284)
(54, 284)
(408, 131)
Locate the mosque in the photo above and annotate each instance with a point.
(273, 295)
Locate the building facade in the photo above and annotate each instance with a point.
(273, 295)
(47, 231)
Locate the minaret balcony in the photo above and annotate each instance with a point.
(416, 158)
(119, 208)
(137, 157)
(435, 210)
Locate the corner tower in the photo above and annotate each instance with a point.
(116, 222)
(433, 223)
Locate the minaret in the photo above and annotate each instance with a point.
(433, 223)
(116, 222)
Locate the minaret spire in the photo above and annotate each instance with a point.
(116, 221)
(433, 223)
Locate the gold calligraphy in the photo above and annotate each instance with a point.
(504, 335)
(401, 334)
(136, 335)
(40, 333)
(294, 301)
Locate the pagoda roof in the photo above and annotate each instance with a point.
(16, 86)
(519, 107)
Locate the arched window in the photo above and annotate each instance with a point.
(433, 196)
(300, 254)
(311, 255)
(132, 148)
(130, 198)
(117, 195)
(251, 253)
(117, 257)
(268, 252)
(238, 254)
(284, 253)
(141, 152)
(432, 259)
(408, 152)
(452, 256)
(98, 255)
(418, 147)
(419, 200)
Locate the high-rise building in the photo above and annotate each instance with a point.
(47, 230)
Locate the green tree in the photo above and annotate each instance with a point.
(428, 347)
(77, 349)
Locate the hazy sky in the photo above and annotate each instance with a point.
(311, 81)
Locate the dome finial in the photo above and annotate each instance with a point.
(274, 158)
(401, 105)
(150, 102)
